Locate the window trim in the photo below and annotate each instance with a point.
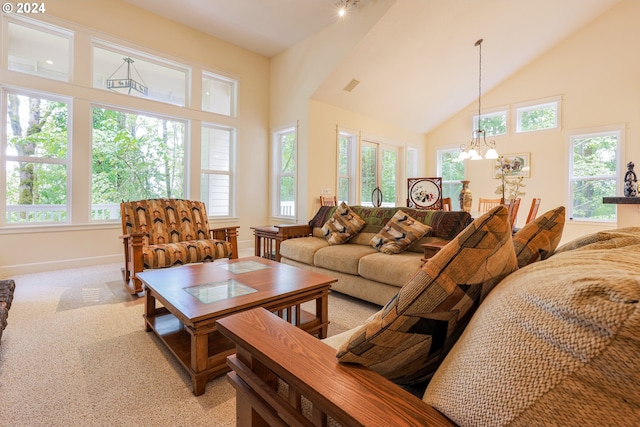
(276, 167)
(231, 172)
(532, 105)
(492, 113)
(591, 132)
(352, 149)
(234, 83)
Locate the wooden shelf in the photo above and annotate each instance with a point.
(622, 200)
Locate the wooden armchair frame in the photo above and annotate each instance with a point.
(283, 376)
(134, 260)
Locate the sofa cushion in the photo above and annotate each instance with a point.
(407, 339)
(398, 234)
(538, 239)
(342, 258)
(603, 239)
(396, 271)
(342, 225)
(557, 343)
(180, 253)
(302, 249)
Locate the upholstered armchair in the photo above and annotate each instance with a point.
(161, 233)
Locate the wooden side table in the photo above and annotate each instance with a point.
(269, 237)
(430, 249)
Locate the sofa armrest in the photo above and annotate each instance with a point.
(284, 376)
(229, 234)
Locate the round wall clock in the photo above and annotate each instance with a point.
(425, 193)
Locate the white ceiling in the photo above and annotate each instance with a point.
(418, 64)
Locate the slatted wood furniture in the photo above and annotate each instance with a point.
(328, 201)
(513, 207)
(269, 237)
(284, 377)
(159, 233)
(7, 289)
(446, 204)
(194, 297)
(485, 205)
(533, 211)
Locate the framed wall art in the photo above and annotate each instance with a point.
(512, 165)
(424, 193)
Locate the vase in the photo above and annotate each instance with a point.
(465, 197)
(630, 179)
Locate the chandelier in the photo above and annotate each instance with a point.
(343, 6)
(479, 148)
(128, 82)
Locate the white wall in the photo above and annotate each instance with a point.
(46, 248)
(596, 71)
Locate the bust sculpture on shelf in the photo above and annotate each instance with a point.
(630, 179)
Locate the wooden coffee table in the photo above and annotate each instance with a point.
(194, 296)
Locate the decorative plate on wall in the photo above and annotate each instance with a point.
(425, 193)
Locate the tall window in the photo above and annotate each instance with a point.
(412, 162)
(378, 169)
(285, 159)
(452, 172)
(37, 158)
(346, 167)
(218, 154)
(493, 124)
(593, 174)
(135, 156)
(537, 117)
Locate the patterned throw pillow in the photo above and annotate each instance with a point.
(538, 239)
(400, 232)
(343, 225)
(409, 337)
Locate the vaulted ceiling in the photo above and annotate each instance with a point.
(417, 65)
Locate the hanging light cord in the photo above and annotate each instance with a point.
(479, 43)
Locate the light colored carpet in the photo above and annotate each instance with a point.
(75, 353)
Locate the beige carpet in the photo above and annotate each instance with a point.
(75, 353)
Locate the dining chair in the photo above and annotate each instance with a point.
(533, 211)
(446, 204)
(328, 201)
(512, 210)
(485, 205)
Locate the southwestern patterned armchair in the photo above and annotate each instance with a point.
(159, 233)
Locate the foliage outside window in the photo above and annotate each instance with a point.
(217, 163)
(537, 117)
(452, 172)
(285, 142)
(378, 168)
(493, 124)
(593, 175)
(389, 177)
(135, 157)
(346, 147)
(36, 159)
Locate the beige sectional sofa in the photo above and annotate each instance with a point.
(362, 271)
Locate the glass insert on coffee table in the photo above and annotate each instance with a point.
(194, 296)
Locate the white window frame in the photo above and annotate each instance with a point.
(233, 88)
(439, 156)
(352, 145)
(231, 172)
(521, 108)
(619, 132)
(4, 157)
(502, 111)
(277, 209)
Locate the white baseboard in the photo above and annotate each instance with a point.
(14, 270)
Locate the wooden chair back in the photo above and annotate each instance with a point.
(533, 211)
(328, 201)
(446, 204)
(485, 205)
(513, 206)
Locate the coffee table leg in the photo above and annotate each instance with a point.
(322, 311)
(149, 308)
(199, 358)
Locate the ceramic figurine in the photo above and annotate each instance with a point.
(630, 179)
